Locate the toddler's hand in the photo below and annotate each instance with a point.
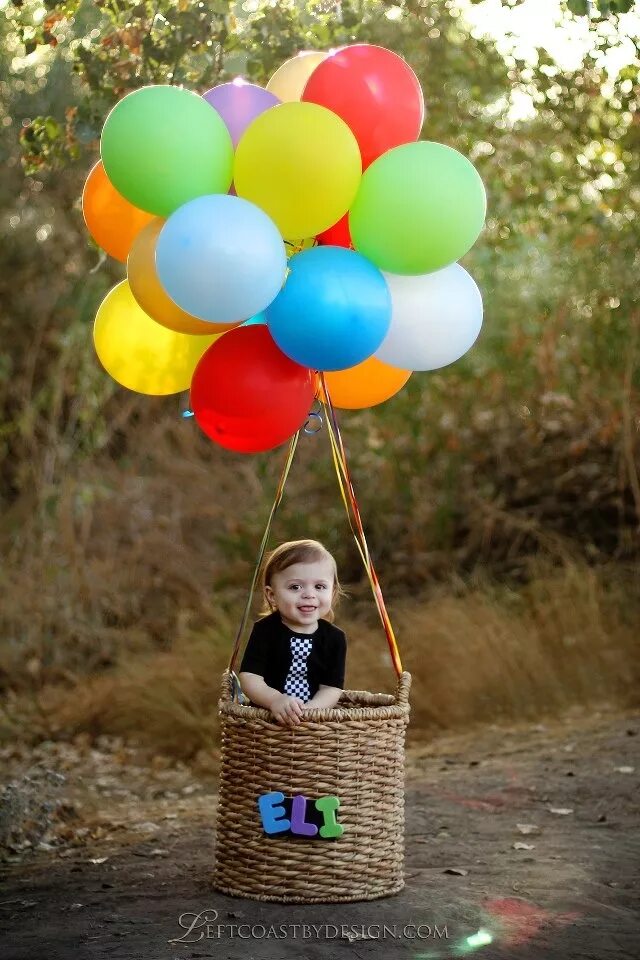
(287, 709)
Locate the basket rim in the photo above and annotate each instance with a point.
(396, 707)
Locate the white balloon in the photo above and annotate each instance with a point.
(435, 318)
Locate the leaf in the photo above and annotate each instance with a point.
(561, 811)
(527, 828)
(52, 127)
(519, 845)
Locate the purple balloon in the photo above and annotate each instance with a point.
(238, 103)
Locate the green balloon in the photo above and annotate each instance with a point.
(164, 145)
(419, 207)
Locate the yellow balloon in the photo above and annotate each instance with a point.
(151, 295)
(301, 164)
(141, 354)
(290, 79)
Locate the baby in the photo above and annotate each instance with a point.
(295, 658)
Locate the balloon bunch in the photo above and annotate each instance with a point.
(273, 233)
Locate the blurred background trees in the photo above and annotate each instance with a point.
(126, 533)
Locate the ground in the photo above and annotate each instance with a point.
(521, 842)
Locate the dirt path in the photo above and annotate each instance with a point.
(521, 843)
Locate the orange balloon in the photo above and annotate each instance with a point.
(151, 295)
(111, 220)
(365, 385)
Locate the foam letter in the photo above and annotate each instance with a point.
(271, 811)
(327, 807)
(298, 823)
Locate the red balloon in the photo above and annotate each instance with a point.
(375, 92)
(247, 395)
(338, 235)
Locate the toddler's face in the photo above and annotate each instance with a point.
(302, 593)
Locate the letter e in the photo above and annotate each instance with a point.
(272, 813)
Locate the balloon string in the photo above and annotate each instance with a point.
(359, 536)
(347, 491)
(261, 552)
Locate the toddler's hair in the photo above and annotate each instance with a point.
(296, 551)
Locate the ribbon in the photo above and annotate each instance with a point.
(261, 552)
(347, 491)
(345, 483)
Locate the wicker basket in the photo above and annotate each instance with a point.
(354, 751)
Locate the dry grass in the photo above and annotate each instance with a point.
(565, 638)
(487, 654)
(125, 574)
(125, 555)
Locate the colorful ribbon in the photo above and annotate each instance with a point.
(345, 484)
(347, 491)
(261, 552)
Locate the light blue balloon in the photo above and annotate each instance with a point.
(221, 258)
(334, 310)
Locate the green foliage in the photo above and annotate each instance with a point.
(603, 8)
(586, 8)
(115, 48)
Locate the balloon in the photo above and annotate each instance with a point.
(419, 207)
(301, 164)
(111, 220)
(375, 92)
(238, 103)
(140, 353)
(333, 311)
(288, 81)
(338, 235)
(435, 318)
(246, 395)
(149, 292)
(365, 385)
(221, 258)
(162, 146)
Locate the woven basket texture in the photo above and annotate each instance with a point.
(354, 751)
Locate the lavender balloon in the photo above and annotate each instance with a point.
(238, 103)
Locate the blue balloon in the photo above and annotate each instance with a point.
(334, 310)
(221, 258)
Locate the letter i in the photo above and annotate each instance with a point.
(327, 807)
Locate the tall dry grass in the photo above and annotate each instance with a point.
(132, 552)
(477, 655)
(500, 505)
